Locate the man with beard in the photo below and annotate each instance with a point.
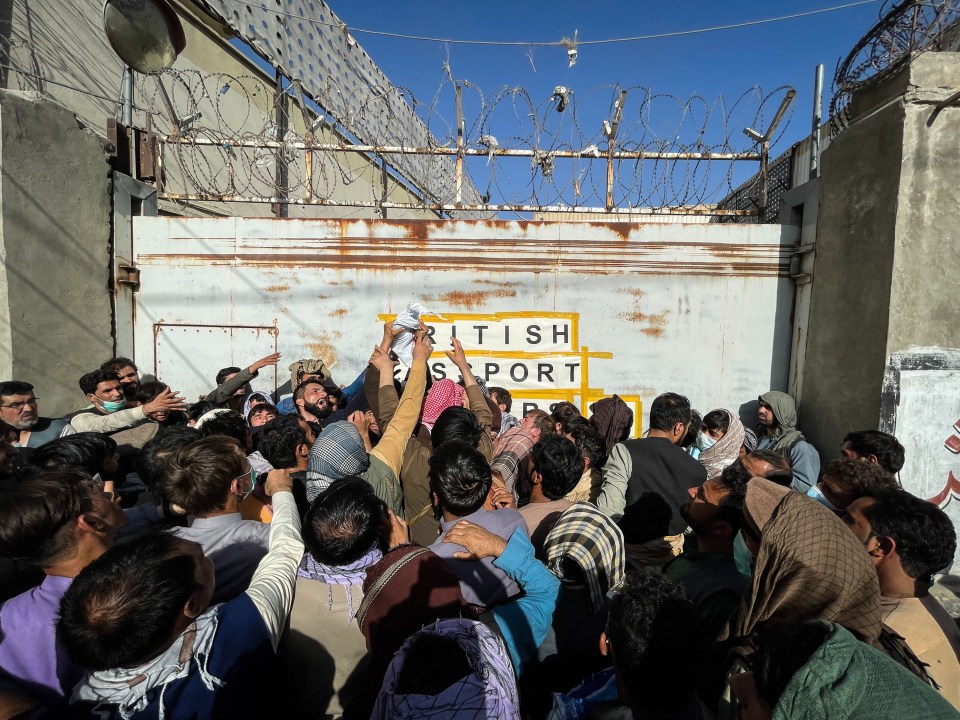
(315, 405)
(19, 409)
(709, 574)
(128, 375)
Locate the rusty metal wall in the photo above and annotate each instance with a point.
(556, 311)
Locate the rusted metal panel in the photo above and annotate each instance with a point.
(556, 310)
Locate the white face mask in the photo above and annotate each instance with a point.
(817, 494)
(705, 442)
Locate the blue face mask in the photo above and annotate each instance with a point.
(742, 555)
(705, 442)
(817, 494)
(112, 406)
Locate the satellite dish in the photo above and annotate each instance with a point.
(146, 34)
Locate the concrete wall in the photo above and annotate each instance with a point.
(54, 241)
(59, 49)
(884, 336)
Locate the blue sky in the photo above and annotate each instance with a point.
(726, 62)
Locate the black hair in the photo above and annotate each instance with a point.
(503, 397)
(568, 415)
(115, 364)
(15, 387)
(156, 453)
(199, 409)
(734, 480)
(690, 438)
(543, 421)
(279, 440)
(858, 478)
(199, 476)
(667, 410)
(559, 463)
(781, 472)
(781, 649)
(885, 447)
(229, 423)
(37, 517)
(222, 375)
(460, 476)
(925, 537)
(150, 390)
(716, 420)
(299, 389)
(456, 424)
(87, 450)
(90, 381)
(653, 629)
(343, 522)
(121, 609)
(591, 444)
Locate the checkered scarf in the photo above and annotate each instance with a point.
(338, 453)
(443, 394)
(509, 453)
(592, 541)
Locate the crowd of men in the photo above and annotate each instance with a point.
(404, 547)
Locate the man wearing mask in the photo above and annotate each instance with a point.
(128, 375)
(777, 430)
(108, 413)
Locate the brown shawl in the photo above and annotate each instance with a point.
(613, 419)
(810, 566)
(726, 451)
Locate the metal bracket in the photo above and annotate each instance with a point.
(129, 275)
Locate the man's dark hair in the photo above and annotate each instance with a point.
(299, 389)
(781, 649)
(568, 415)
(121, 609)
(116, 364)
(156, 453)
(86, 450)
(858, 478)
(149, 391)
(222, 375)
(542, 421)
(460, 476)
(456, 424)
(37, 518)
(199, 409)
(503, 397)
(925, 537)
(559, 463)
(228, 423)
(734, 480)
(715, 420)
(343, 522)
(667, 410)
(690, 438)
(334, 393)
(15, 387)
(886, 448)
(591, 444)
(279, 440)
(198, 477)
(653, 629)
(781, 471)
(90, 381)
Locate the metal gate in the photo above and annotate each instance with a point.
(552, 311)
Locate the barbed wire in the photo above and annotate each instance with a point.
(225, 142)
(904, 30)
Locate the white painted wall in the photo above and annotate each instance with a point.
(641, 309)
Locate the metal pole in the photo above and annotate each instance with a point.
(127, 95)
(459, 168)
(611, 144)
(282, 121)
(817, 121)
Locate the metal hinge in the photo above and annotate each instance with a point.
(130, 276)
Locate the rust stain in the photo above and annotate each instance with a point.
(475, 298)
(323, 297)
(655, 322)
(339, 312)
(636, 292)
(498, 284)
(277, 288)
(652, 331)
(323, 348)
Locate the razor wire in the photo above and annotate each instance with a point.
(222, 140)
